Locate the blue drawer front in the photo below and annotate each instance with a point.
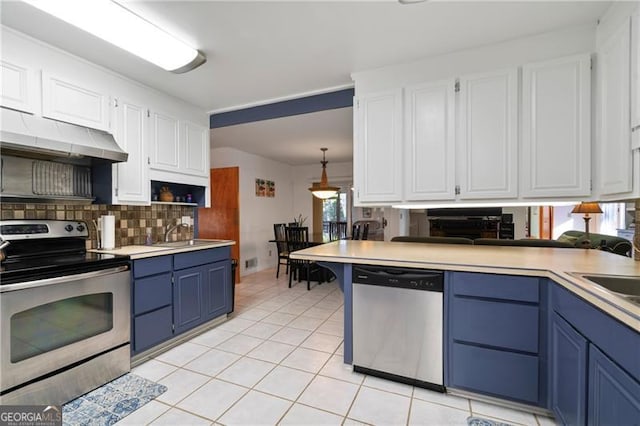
(505, 325)
(506, 287)
(201, 257)
(152, 266)
(622, 344)
(151, 293)
(151, 329)
(505, 375)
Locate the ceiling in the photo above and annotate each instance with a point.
(263, 51)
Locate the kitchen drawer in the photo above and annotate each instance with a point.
(496, 373)
(152, 328)
(506, 287)
(619, 342)
(151, 293)
(201, 257)
(152, 266)
(505, 325)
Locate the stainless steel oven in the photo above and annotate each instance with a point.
(64, 314)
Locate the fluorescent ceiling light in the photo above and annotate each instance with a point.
(119, 26)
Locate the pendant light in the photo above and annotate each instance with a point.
(324, 190)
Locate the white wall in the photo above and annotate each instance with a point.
(258, 214)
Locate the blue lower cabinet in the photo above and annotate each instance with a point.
(502, 374)
(187, 298)
(614, 396)
(217, 298)
(569, 353)
(151, 329)
(175, 293)
(496, 336)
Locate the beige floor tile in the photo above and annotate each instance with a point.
(379, 407)
(145, 414)
(256, 408)
(178, 417)
(271, 351)
(179, 384)
(329, 394)
(279, 318)
(302, 415)
(154, 370)
(290, 336)
(240, 344)
(213, 399)
(246, 371)
(285, 382)
(262, 330)
(306, 359)
(441, 398)
(322, 342)
(212, 362)
(337, 369)
(427, 413)
(388, 385)
(213, 338)
(182, 354)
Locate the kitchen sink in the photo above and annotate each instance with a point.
(622, 285)
(186, 243)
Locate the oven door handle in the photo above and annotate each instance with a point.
(63, 279)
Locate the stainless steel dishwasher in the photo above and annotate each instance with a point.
(397, 324)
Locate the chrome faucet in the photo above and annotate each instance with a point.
(171, 228)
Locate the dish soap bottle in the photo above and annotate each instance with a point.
(148, 239)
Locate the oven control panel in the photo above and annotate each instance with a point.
(13, 230)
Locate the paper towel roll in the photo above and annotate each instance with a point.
(108, 232)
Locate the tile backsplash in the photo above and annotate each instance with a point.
(131, 221)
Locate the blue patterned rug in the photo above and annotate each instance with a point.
(479, 421)
(111, 402)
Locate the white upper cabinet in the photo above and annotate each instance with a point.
(430, 141)
(195, 146)
(613, 151)
(488, 135)
(131, 179)
(66, 100)
(19, 87)
(378, 147)
(556, 128)
(635, 79)
(165, 143)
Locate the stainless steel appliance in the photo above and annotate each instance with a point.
(397, 324)
(64, 313)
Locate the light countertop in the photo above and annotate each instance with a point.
(558, 264)
(141, 252)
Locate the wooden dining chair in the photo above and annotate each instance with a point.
(355, 232)
(342, 230)
(298, 239)
(365, 231)
(280, 234)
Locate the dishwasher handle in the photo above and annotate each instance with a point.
(409, 278)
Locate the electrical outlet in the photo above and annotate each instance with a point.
(186, 220)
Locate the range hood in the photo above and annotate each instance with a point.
(29, 134)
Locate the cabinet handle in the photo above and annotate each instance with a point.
(633, 129)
